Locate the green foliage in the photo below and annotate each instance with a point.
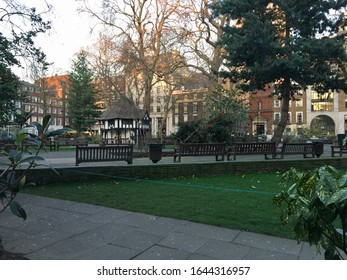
(317, 202)
(228, 114)
(299, 40)
(219, 128)
(190, 133)
(8, 92)
(16, 41)
(287, 44)
(83, 110)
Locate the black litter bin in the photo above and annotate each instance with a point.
(318, 147)
(155, 151)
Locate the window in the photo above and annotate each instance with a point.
(185, 108)
(195, 107)
(299, 118)
(289, 117)
(158, 109)
(299, 103)
(277, 103)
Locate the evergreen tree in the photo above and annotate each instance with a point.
(288, 44)
(83, 110)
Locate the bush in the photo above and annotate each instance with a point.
(317, 202)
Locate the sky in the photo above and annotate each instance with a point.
(70, 32)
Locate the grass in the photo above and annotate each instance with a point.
(234, 201)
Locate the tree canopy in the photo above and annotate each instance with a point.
(19, 25)
(83, 109)
(285, 44)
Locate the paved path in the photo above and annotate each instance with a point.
(57, 229)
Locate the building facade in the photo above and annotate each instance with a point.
(46, 97)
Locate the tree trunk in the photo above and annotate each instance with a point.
(280, 127)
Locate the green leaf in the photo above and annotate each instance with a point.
(22, 181)
(57, 132)
(38, 127)
(11, 177)
(337, 197)
(31, 158)
(331, 254)
(17, 210)
(45, 123)
(343, 181)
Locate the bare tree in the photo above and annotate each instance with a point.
(106, 60)
(144, 26)
(204, 32)
(38, 72)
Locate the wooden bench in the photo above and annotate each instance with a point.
(339, 147)
(305, 149)
(70, 142)
(252, 148)
(107, 153)
(200, 149)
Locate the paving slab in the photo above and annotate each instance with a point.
(182, 241)
(276, 244)
(224, 250)
(66, 249)
(31, 243)
(109, 252)
(213, 232)
(104, 234)
(263, 254)
(137, 240)
(157, 252)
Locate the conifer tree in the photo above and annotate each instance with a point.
(286, 44)
(83, 110)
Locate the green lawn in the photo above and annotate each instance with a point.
(234, 201)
